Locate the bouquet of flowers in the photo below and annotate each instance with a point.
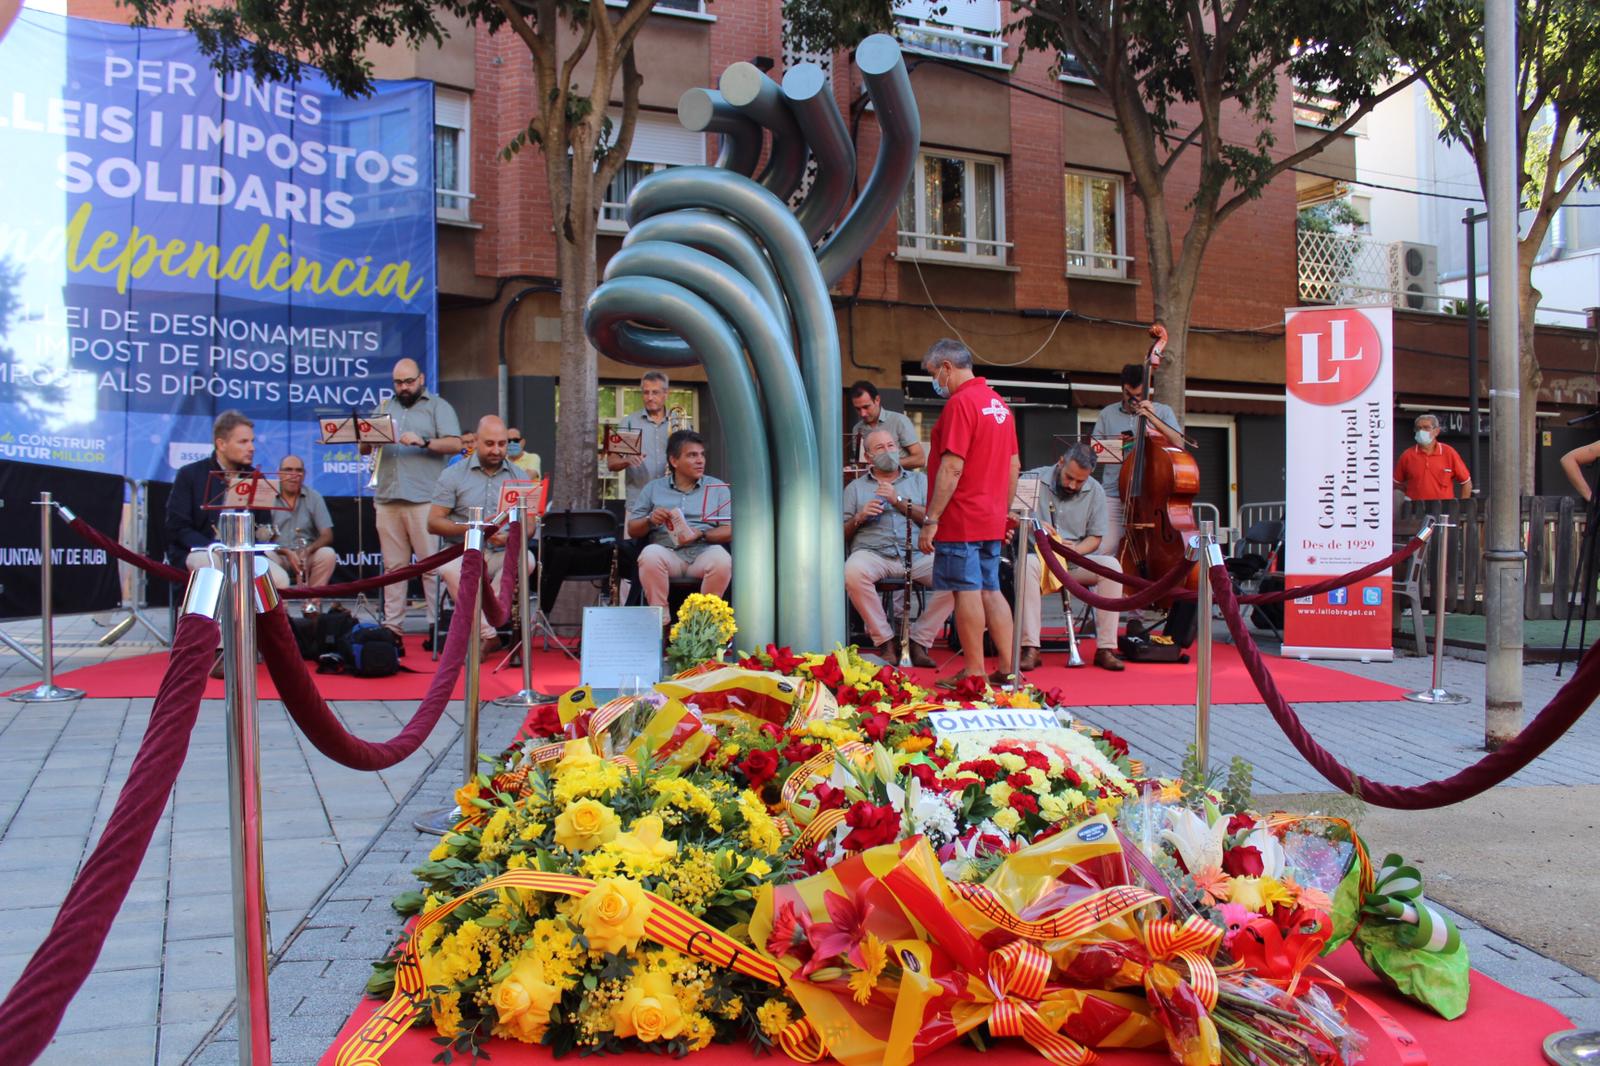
(580, 973)
(702, 632)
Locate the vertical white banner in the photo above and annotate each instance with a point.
(1338, 478)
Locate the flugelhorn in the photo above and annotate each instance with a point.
(1073, 658)
(677, 418)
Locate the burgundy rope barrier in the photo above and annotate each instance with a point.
(32, 1011)
(1558, 716)
(497, 606)
(1083, 562)
(111, 545)
(1328, 584)
(316, 719)
(367, 584)
(1153, 591)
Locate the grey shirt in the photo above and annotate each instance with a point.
(905, 432)
(309, 518)
(1075, 515)
(407, 474)
(664, 494)
(1114, 421)
(885, 534)
(467, 485)
(652, 445)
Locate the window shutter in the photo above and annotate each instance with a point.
(659, 139)
(451, 108)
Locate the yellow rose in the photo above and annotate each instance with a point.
(577, 755)
(464, 797)
(586, 825)
(613, 914)
(649, 1010)
(643, 843)
(523, 1002)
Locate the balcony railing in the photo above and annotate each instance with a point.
(1337, 268)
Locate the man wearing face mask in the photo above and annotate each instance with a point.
(427, 431)
(519, 457)
(973, 454)
(877, 507)
(1431, 469)
(1073, 503)
(1121, 419)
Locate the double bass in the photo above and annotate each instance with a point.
(1158, 484)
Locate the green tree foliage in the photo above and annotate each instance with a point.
(1557, 153)
(570, 126)
(1170, 73)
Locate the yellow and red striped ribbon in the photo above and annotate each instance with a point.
(819, 765)
(1082, 917)
(667, 924)
(1017, 976)
(1194, 941)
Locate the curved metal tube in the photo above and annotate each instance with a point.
(718, 235)
(738, 138)
(758, 96)
(810, 96)
(884, 71)
(793, 441)
(766, 217)
(670, 306)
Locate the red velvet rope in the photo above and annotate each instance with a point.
(32, 1011)
(127, 555)
(497, 607)
(316, 719)
(1153, 591)
(1558, 716)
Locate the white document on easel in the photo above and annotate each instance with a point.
(620, 645)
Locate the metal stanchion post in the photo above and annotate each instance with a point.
(1441, 570)
(529, 696)
(1019, 574)
(47, 692)
(250, 941)
(1207, 555)
(441, 821)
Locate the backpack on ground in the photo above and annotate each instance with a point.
(320, 633)
(365, 650)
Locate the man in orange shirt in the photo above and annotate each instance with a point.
(1431, 470)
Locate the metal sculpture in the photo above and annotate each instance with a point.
(716, 269)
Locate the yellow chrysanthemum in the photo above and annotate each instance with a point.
(774, 1016)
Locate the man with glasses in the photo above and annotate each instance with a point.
(519, 457)
(304, 532)
(653, 427)
(427, 432)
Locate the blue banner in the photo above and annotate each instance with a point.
(175, 243)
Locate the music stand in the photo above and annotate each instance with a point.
(625, 443)
(250, 491)
(359, 429)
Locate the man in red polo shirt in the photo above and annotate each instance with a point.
(973, 457)
(1431, 470)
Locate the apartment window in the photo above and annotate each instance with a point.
(954, 209)
(673, 7)
(452, 153)
(659, 142)
(618, 402)
(1072, 68)
(1095, 240)
(968, 30)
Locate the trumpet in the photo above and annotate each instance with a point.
(677, 418)
(1073, 658)
(905, 606)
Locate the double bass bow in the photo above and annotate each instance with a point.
(1158, 484)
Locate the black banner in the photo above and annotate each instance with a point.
(85, 578)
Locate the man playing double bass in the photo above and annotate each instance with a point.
(1121, 419)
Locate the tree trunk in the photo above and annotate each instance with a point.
(1173, 296)
(578, 410)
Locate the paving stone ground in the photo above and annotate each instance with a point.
(340, 844)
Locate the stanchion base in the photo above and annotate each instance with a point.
(1572, 1046)
(438, 822)
(1437, 695)
(526, 698)
(48, 694)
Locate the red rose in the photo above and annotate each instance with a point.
(1024, 803)
(870, 825)
(798, 750)
(964, 783)
(759, 767)
(751, 662)
(546, 721)
(1242, 861)
(829, 798)
(972, 687)
(828, 672)
(941, 761)
(1054, 698)
(1118, 745)
(1241, 823)
(848, 696)
(926, 775)
(875, 726)
(885, 675)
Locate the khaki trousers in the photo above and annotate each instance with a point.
(319, 568)
(493, 563)
(403, 533)
(200, 559)
(658, 565)
(1105, 622)
(864, 569)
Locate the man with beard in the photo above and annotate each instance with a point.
(197, 492)
(476, 482)
(877, 508)
(427, 433)
(1121, 419)
(1074, 504)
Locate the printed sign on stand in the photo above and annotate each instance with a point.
(1338, 473)
(621, 647)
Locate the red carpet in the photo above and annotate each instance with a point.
(1501, 1027)
(1139, 685)
(140, 676)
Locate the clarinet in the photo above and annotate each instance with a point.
(905, 609)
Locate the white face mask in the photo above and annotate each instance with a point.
(1424, 438)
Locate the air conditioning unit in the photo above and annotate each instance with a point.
(1414, 275)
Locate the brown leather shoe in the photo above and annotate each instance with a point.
(953, 681)
(1000, 678)
(887, 652)
(1030, 660)
(921, 657)
(1106, 659)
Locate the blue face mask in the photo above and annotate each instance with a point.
(514, 450)
(939, 389)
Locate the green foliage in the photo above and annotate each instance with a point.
(1237, 793)
(1459, 307)
(1330, 216)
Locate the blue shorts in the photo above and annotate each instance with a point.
(967, 565)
